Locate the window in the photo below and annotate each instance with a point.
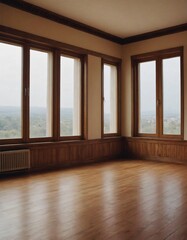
(171, 95)
(70, 96)
(40, 94)
(10, 91)
(110, 99)
(147, 97)
(158, 97)
(39, 100)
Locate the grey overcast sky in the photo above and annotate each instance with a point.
(171, 85)
(11, 73)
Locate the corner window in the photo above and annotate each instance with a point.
(158, 96)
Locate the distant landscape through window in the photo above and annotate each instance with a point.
(10, 91)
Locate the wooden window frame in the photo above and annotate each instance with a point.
(82, 59)
(56, 53)
(118, 68)
(47, 50)
(157, 56)
(21, 139)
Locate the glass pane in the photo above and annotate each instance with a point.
(70, 96)
(171, 96)
(10, 91)
(40, 94)
(147, 97)
(110, 99)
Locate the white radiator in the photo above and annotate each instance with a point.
(14, 160)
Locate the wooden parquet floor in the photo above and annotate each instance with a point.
(119, 200)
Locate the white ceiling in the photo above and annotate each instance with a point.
(122, 18)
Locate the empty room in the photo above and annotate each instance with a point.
(93, 120)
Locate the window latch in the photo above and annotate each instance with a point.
(158, 102)
(26, 92)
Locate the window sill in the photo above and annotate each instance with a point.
(164, 139)
(37, 143)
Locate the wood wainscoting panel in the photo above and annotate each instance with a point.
(43, 156)
(54, 155)
(62, 157)
(159, 150)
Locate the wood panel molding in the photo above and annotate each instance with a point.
(56, 155)
(42, 12)
(155, 149)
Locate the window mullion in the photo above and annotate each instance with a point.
(182, 93)
(56, 95)
(25, 94)
(159, 100)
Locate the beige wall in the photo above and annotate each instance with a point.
(169, 41)
(94, 97)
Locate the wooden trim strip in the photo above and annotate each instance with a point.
(39, 11)
(33, 9)
(154, 140)
(148, 56)
(154, 34)
(20, 36)
(30, 145)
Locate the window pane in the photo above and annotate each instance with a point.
(110, 99)
(40, 94)
(171, 96)
(70, 96)
(10, 91)
(147, 97)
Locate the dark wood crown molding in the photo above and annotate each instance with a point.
(7, 33)
(33, 9)
(154, 34)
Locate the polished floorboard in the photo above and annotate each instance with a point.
(117, 200)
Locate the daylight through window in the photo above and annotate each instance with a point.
(70, 96)
(158, 94)
(110, 92)
(40, 94)
(10, 91)
(171, 96)
(147, 97)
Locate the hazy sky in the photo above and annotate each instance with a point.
(109, 82)
(107, 88)
(11, 75)
(38, 78)
(171, 85)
